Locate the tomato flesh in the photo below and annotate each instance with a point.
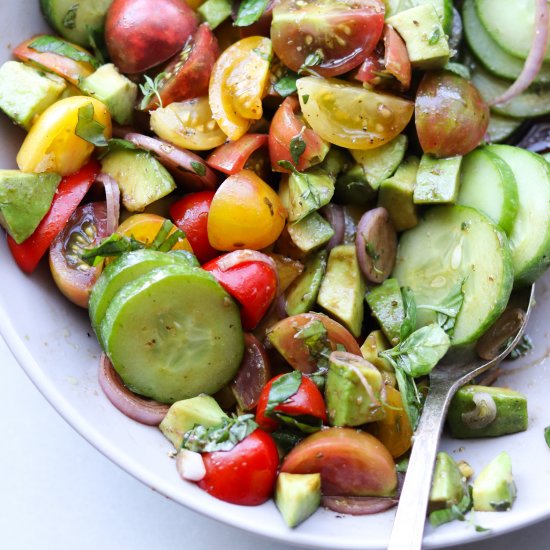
(232, 157)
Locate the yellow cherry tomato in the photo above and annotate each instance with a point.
(245, 213)
(188, 124)
(144, 228)
(52, 144)
(238, 83)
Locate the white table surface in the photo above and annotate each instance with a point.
(58, 492)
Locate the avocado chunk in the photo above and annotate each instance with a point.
(482, 411)
(348, 401)
(24, 200)
(494, 489)
(343, 288)
(421, 29)
(374, 344)
(183, 415)
(381, 163)
(386, 304)
(352, 187)
(437, 180)
(311, 232)
(142, 178)
(114, 89)
(215, 12)
(302, 294)
(307, 192)
(443, 8)
(336, 161)
(396, 195)
(448, 485)
(26, 92)
(297, 496)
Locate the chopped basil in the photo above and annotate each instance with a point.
(547, 436)
(315, 337)
(305, 424)
(282, 389)
(52, 44)
(286, 85)
(411, 397)
(305, 98)
(287, 439)
(249, 12)
(198, 167)
(435, 35)
(312, 60)
(448, 310)
(150, 89)
(409, 308)
(297, 148)
(88, 128)
(69, 20)
(457, 511)
(117, 143)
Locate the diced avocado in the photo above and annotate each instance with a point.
(437, 180)
(24, 200)
(482, 411)
(444, 9)
(494, 489)
(386, 304)
(215, 12)
(301, 296)
(448, 486)
(343, 288)
(297, 496)
(396, 195)
(372, 346)
(311, 232)
(26, 92)
(421, 29)
(381, 163)
(113, 89)
(307, 192)
(336, 161)
(347, 399)
(142, 178)
(185, 414)
(352, 187)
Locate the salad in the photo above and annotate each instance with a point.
(281, 215)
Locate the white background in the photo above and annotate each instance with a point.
(58, 492)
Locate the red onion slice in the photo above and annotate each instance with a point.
(112, 198)
(334, 214)
(535, 59)
(358, 506)
(238, 257)
(135, 407)
(182, 164)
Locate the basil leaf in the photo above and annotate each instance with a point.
(282, 389)
(114, 245)
(287, 439)
(88, 128)
(305, 424)
(457, 511)
(117, 143)
(249, 12)
(312, 60)
(448, 310)
(297, 147)
(547, 436)
(150, 89)
(52, 44)
(305, 98)
(412, 400)
(198, 167)
(402, 465)
(409, 309)
(69, 20)
(315, 337)
(286, 85)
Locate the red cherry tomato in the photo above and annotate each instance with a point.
(396, 57)
(307, 401)
(70, 192)
(371, 68)
(190, 214)
(232, 157)
(252, 283)
(244, 475)
(287, 125)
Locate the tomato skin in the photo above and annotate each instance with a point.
(244, 475)
(368, 70)
(232, 157)
(253, 284)
(70, 192)
(285, 126)
(307, 401)
(396, 57)
(190, 214)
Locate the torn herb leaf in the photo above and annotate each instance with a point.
(88, 128)
(457, 511)
(547, 436)
(315, 337)
(249, 12)
(114, 245)
(282, 389)
(411, 397)
(150, 89)
(409, 310)
(304, 424)
(297, 148)
(69, 19)
(312, 60)
(448, 310)
(198, 167)
(52, 44)
(286, 85)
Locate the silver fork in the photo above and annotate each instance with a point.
(445, 380)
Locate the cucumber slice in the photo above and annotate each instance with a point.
(76, 21)
(491, 55)
(530, 236)
(502, 127)
(456, 245)
(511, 24)
(173, 333)
(488, 184)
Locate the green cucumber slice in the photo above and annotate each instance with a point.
(511, 24)
(501, 127)
(488, 184)
(173, 333)
(530, 236)
(456, 245)
(491, 55)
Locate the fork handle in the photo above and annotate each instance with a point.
(408, 527)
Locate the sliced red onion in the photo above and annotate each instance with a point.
(537, 139)
(190, 465)
(120, 132)
(238, 257)
(280, 305)
(112, 198)
(334, 214)
(359, 506)
(535, 59)
(187, 168)
(135, 407)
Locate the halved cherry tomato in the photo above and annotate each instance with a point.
(252, 283)
(287, 125)
(232, 157)
(306, 402)
(244, 475)
(339, 34)
(52, 144)
(74, 277)
(396, 57)
(288, 270)
(188, 74)
(59, 64)
(238, 84)
(245, 213)
(370, 69)
(190, 214)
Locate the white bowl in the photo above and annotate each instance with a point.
(53, 342)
